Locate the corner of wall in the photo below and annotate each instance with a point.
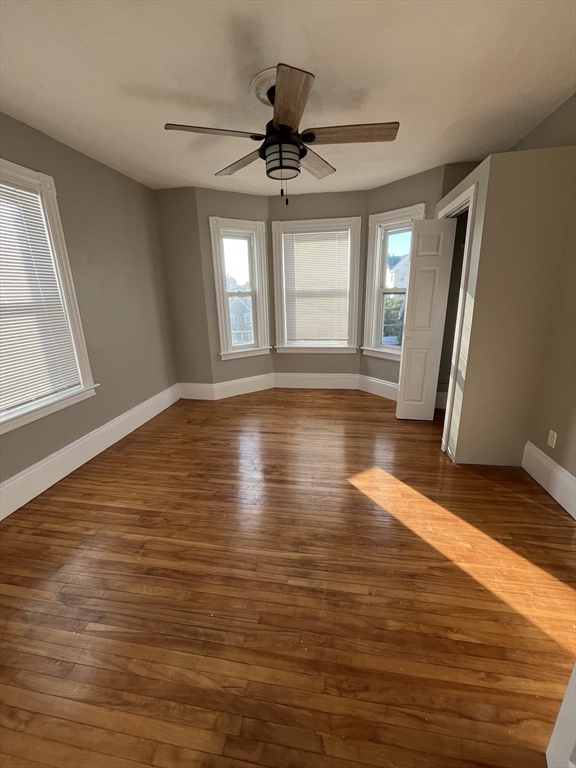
(558, 129)
(454, 173)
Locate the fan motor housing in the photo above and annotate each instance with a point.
(282, 152)
(281, 135)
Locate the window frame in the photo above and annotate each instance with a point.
(379, 224)
(255, 233)
(302, 226)
(18, 176)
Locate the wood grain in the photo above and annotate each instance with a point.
(292, 91)
(287, 578)
(316, 165)
(352, 134)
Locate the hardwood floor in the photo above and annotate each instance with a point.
(291, 579)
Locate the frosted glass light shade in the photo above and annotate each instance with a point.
(282, 161)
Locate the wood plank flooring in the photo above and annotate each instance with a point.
(290, 579)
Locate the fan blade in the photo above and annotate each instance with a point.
(316, 165)
(242, 163)
(291, 93)
(351, 134)
(214, 131)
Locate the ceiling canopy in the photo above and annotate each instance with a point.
(463, 79)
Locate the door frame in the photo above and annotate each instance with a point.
(464, 201)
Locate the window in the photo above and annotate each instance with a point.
(389, 241)
(239, 253)
(316, 283)
(43, 360)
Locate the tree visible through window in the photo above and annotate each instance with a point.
(387, 278)
(396, 246)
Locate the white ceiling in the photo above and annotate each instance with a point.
(463, 78)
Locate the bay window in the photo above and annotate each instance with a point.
(388, 272)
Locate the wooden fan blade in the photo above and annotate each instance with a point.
(214, 131)
(242, 163)
(316, 165)
(291, 94)
(351, 134)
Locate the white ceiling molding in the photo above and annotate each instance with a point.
(464, 80)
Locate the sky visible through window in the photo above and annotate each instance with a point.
(399, 243)
(237, 263)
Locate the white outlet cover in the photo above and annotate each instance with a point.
(552, 438)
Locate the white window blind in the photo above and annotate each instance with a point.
(316, 287)
(37, 353)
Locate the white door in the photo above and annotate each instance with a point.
(430, 265)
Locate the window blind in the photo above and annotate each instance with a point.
(37, 355)
(316, 285)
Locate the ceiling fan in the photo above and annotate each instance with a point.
(284, 147)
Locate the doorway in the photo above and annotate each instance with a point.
(451, 311)
(463, 209)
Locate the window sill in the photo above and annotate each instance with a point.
(318, 350)
(385, 354)
(245, 353)
(46, 407)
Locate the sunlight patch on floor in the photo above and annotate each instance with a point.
(483, 558)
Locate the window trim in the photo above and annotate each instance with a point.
(25, 178)
(354, 224)
(378, 223)
(219, 228)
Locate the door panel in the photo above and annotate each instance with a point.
(415, 375)
(425, 290)
(430, 265)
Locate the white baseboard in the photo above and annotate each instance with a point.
(268, 381)
(26, 485)
(196, 391)
(225, 389)
(559, 483)
(20, 489)
(243, 386)
(316, 380)
(387, 389)
(561, 751)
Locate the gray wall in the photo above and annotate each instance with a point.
(229, 205)
(111, 233)
(322, 206)
(180, 239)
(557, 130)
(556, 406)
(455, 173)
(183, 217)
(427, 187)
(512, 293)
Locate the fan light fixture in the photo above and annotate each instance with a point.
(282, 161)
(285, 148)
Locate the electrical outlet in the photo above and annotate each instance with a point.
(552, 438)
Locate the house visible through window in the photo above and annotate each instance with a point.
(316, 277)
(239, 255)
(43, 360)
(397, 266)
(239, 288)
(390, 239)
